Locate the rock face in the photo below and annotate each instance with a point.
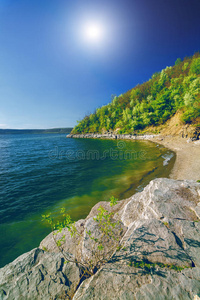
(186, 131)
(37, 275)
(160, 257)
(111, 135)
(190, 132)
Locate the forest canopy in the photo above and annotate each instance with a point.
(175, 88)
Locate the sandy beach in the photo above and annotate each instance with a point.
(187, 164)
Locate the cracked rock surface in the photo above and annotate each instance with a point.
(161, 228)
(37, 275)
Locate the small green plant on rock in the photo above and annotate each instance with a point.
(100, 244)
(110, 233)
(150, 266)
(109, 236)
(166, 224)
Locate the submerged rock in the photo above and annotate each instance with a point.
(160, 257)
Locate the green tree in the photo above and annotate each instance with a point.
(195, 66)
(178, 61)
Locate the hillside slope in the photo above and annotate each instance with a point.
(175, 90)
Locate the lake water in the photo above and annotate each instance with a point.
(41, 173)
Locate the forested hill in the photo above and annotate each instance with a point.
(174, 89)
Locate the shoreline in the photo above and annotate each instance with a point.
(187, 163)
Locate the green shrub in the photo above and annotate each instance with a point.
(195, 66)
(187, 116)
(150, 266)
(109, 229)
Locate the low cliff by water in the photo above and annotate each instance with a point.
(160, 258)
(111, 135)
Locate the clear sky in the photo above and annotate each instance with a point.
(53, 72)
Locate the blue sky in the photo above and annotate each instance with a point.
(50, 76)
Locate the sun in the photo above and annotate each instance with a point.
(93, 32)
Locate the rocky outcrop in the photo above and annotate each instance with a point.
(160, 257)
(186, 131)
(38, 275)
(191, 132)
(112, 135)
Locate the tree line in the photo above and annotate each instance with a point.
(175, 88)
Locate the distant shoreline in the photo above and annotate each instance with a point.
(187, 163)
(35, 131)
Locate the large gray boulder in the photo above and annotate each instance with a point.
(160, 257)
(163, 230)
(118, 282)
(38, 275)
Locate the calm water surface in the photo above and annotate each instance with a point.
(42, 173)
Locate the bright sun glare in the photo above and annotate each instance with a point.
(93, 32)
